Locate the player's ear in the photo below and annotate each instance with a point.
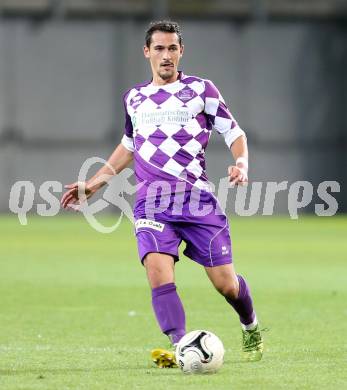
(181, 50)
(146, 51)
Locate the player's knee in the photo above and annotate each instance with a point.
(230, 290)
(156, 277)
(158, 272)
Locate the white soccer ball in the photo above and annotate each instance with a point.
(200, 352)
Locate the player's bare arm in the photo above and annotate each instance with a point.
(238, 173)
(78, 192)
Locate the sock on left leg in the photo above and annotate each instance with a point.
(243, 305)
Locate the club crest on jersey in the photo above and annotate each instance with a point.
(186, 94)
(147, 223)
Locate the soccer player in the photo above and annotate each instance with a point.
(168, 123)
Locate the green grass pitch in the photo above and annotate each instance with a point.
(75, 309)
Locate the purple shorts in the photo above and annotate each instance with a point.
(207, 238)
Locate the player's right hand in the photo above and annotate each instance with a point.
(76, 194)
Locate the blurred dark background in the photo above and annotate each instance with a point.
(281, 66)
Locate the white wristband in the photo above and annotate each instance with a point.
(242, 160)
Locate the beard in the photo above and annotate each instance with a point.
(166, 74)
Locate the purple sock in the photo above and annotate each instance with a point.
(243, 305)
(169, 311)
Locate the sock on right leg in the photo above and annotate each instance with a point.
(169, 311)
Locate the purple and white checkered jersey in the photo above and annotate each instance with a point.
(168, 128)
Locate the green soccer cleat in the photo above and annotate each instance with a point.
(252, 345)
(164, 358)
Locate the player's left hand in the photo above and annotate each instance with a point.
(237, 175)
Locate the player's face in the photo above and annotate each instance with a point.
(164, 55)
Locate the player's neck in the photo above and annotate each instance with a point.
(157, 81)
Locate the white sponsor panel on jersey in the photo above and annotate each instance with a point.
(147, 223)
(180, 116)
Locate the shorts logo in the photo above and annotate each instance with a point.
(224, 250)
(147, 223)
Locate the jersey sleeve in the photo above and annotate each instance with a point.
(219, 115)
(127, 140)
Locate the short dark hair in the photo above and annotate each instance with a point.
(164, 26)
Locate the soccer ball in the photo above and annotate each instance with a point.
(200, 352)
